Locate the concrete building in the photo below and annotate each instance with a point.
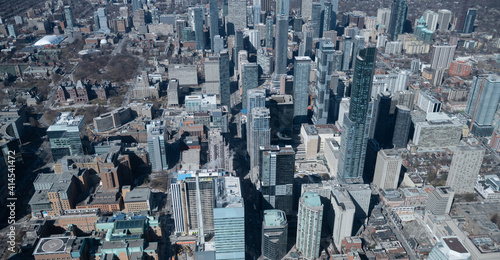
(323, 80)
(361, 196)
(259, 134)
(64, 136)
(442, 56)
(281, 44)
(112, 119)
(173, 93)
(237, 16)
(138, 200)
(439, 130)
(383, 19)
(157, 137)
(431, 18)
(249, 80)
(199, 18)
(402, 126)
(229, 219)
(219, 154)
(464, 169)
(309, 223)
(387, 169)
(440, 200)
(187, 75)
(444, 20)
(274, 234)
(344, 210)
(482, 103)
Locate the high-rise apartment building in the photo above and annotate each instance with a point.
(217, 77)
(255, 98)
(276, 171)
(482, 103)
(249, 80)
(199, 18)
(274, 234)
(157, 137)
(440, 200)
(229, 219)
(464, 168)
(444, 19)
(431, 18)
(269, 32)
(399, 10)
(68, 13)
(387, 169)
(357, 122)
(214, 23)
(281, 44)
(343, 210)
(402, 126)
(218, 151)
(347, 46)
(383, 18)
(302, 72)
(324, 58)
(316, 20)
(442, 56)
(64, 135)
(309, 222)
(283, 7)
(259, 134)
(306, 9)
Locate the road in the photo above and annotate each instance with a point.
(400, 236)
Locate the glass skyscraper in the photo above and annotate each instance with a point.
(398, 17)
(301, 75)
(64, 136)
(324, 58)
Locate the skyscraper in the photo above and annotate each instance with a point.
(387, 169)
(316, 20)
(302, 69)
(237, 16)
(309, 222)
(431, 18)
(444, 20)
(347, 46)
(274, 234)
(225, 88)
(199, 17)
(470, 18)
(214, 23)
(402, 126)
(464, 168)
(269, 32)
(383, 18)
(442, 56)
(69, 17)
(255, 98)
(482, 103)
(249, 80)
(64, 136)
(259, 134)
(357, 122)
(306, 9)
(238, 46)
(229, 219)
(256, 13)
(157, 135)
(283, 7)
(381, 128)
(329, 17)
(136, 4)
(343, 209)
(281, 44)
(399, 11)
(276, 171)
(324, 58)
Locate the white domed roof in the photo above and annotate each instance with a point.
(104, 41)
(49, 40)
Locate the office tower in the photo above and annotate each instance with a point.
(399, 11)
(357, 122)
(179, 28)
(306, 46)
(199, 17)
(464, 168)
(309, 222)
(381, 128)
(265, 61)
(444, 20)
(440, 200)
(214, 24)
(384, 18)
(267, 6)
(199, 197)
(276, 171)
(219, 153)
(415, 66)
(360, 195)
(229, 220)
(213, 71)
(136, 4)
(316, 20)
(249, 80)
(482, 103)
(103, 20)
(255, 98)
(64, 136)
(157, 136)
(259, 134)
(302, 72)
(470, 18)
(347, 46)
(283, 7)
(324, 58)
(402, 126)
(344, 210)
(269, 32)
(431, 18)
(281, 109)
(387, 169)
(449, 248)
(329, 17)
(69, 17)
(254, 39)
(281, 44)
(442, 56)
(274, 234)
(331, 35)
(237, 16)
(256, 12)
(225, 88)
(306, 9)
(178, 216)
(218, 46)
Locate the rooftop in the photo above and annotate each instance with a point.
(454, 244)
(311, 199)
(274, 218)
(67, 119)
(138, 194)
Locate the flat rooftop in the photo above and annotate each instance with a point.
(454, 244)
(311, 199)
(274, 218)
(67, 119)
(138, 195)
